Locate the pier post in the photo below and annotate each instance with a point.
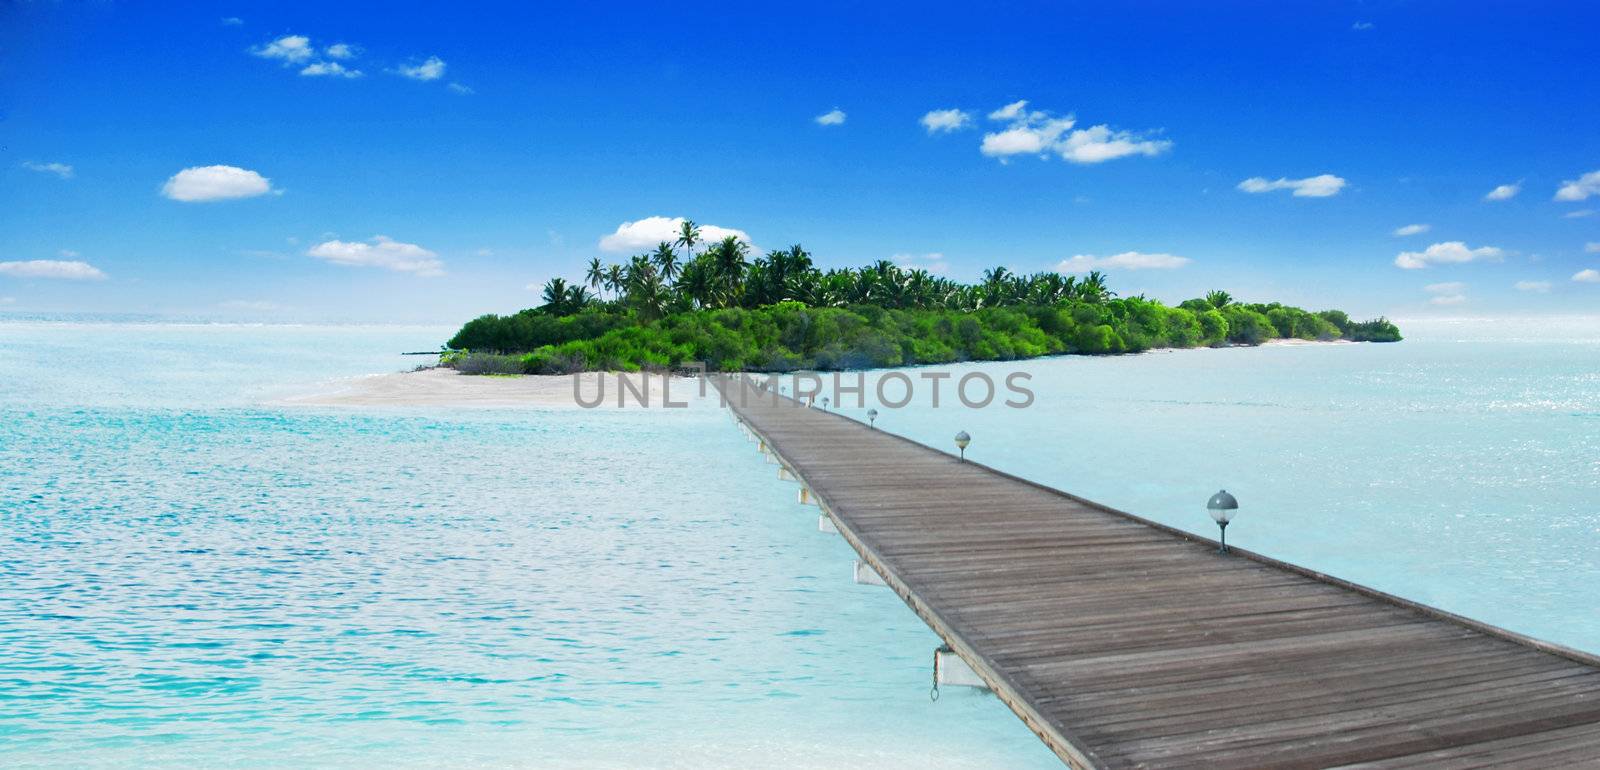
(825, 524)
(867, 576)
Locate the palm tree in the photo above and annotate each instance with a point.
(596, 275)
(728, 257)
(1219, 299)
(666, 261)
(688, 236)
(555, 296)
(1093, 288)
(614, 280)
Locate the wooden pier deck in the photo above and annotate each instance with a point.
(1123, 643)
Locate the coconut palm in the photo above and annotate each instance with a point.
(1219, 299)
(688, 236)
(665, 260)
(595, 276)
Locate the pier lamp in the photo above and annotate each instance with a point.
(962, 440)
(824, 403)
(872, 418)
(1221, 507)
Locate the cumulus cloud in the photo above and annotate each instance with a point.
(461, 89)
(52, 268)
(340, 51)
(59, 169)
(1320, 186)
(1580, 188)
(1538, 287)
(1582, 276)
(1579, 214)
(1127, 260)
(289, 49)
(430, 69)
(646, 233)
(1011, 111)
(1449, 252)
(233, 21)
(1504, 192)
(835, 117)
(381, 251)
(945, 121)
(932, 262)
(1362, 26)
(215, 183)
(1592, 247)
(329, 69)
(1040, 133)
(1412, 230)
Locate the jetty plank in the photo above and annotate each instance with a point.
(1123, 643)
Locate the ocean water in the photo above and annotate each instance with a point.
(191, 576)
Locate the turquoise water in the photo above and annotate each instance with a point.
(188, 577)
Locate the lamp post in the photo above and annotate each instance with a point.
(872, 418)
(962, 440)
(1221, 507)
(824, 403)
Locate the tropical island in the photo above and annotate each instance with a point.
(688, 301)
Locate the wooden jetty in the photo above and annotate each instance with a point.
(1126, 643)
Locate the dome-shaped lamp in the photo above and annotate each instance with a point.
(872, 418)
(962, 440)
(1221, 506)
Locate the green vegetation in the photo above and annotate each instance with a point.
(779, 313)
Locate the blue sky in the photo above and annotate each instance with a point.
(495, 147)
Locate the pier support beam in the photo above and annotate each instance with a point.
(806, 497)
(950, 670)
(825, 524)
(784, 474)
(867, 576)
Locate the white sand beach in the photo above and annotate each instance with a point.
(446, 388)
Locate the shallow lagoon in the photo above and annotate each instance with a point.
(187, 577)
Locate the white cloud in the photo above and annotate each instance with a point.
(1127, 260)
(1539, 287)
(8, 300)
(1447, 299)
(833, 118)
(1412, 230)
(59, 169)
(1504, 192)
(340, 51)
(1582, 276)
(1362, 25)
(329, 69)
(1320, 186)
(945, 121)
(1449, 252)
(1011, 111)
(233, 21)
(646, 233)
(1450, 287)
(1040, 133)
(289, 49)
(932, 262)
(52, 268)
(215, 183)
(68, 254)
(1592, 247)
(461, 89)
(1579, 214)
(382, 252)
(1580, 188)
(431, 69)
